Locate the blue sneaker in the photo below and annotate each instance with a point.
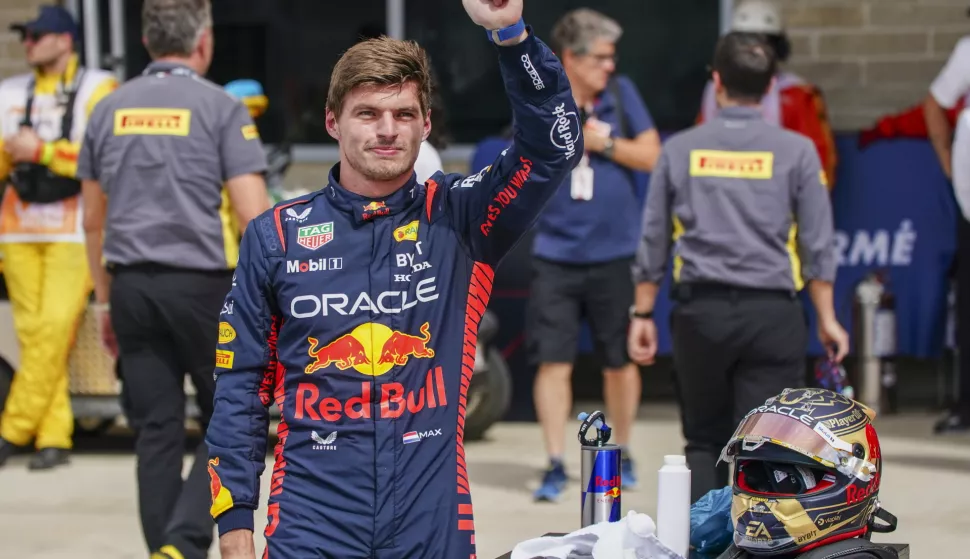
(628, 473)
(553, 483)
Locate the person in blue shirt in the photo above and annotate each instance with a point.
(585, 242)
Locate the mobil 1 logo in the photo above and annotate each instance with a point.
(314, 265)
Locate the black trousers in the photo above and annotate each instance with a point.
(733, 349)
(166, 321)
(963, 315)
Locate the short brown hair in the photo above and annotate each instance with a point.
(173, 27)
(382, 61)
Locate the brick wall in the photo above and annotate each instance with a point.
(11, 53)
(872, 57)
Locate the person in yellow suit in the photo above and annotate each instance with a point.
(250, 93)
(43, 114)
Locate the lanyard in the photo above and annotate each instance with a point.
(69, 91)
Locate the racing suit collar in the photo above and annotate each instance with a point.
(739, 112)
(364, 208)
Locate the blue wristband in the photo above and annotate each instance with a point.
(507, 33)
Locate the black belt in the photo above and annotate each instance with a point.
(687, 291)
(155, 268)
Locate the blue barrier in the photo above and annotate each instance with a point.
(894, 211)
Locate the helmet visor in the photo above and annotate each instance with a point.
(818, 443)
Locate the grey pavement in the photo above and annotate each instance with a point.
(88, 510)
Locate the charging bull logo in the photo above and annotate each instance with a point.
(221, 498)
(371, 349)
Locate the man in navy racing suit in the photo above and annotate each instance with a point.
(355, 310)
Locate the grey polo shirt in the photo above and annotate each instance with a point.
(738, 201)
(162, 146)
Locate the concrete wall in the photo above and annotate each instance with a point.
(872, 57)
(11, 53)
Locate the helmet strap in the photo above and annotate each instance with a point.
(887, 517)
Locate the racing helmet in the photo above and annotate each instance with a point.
(807, 470)
(757, 16)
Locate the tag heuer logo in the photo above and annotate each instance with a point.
(315, 236)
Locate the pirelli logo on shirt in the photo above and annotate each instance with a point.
(152, 122)
(250, 132)
(731, 164)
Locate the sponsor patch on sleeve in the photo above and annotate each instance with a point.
(221, 498)
(226, 333)
(250, 132)
(732, 164)
(224, 359)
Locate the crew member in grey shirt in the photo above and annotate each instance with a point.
(163, 160)
(741, 207)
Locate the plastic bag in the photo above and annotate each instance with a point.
(711, 526)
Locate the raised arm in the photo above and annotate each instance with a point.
(493, 209)
(245, 380)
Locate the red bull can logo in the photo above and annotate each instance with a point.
(371, 349)
(600, 482)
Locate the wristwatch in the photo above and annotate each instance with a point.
(635, 314)
(609, 148)
(506, 33)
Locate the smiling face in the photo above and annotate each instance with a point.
(380, 130)
(378, 110)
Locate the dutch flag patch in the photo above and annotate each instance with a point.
(411, 437)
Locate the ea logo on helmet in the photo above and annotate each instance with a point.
(757, 530)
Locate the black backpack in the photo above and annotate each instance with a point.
(855, 548)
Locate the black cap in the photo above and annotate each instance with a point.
(51, 19)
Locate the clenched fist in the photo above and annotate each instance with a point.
(494, 14)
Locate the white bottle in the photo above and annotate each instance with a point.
(673, 504)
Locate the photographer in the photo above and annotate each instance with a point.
(585, 241)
